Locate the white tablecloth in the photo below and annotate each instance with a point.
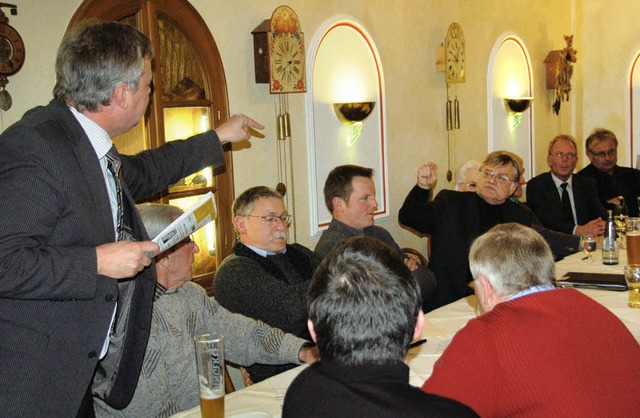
(264, 399)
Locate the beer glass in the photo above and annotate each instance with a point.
(633, 240)
(210, 365)
(632, 277)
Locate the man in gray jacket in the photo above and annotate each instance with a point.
(350, 196)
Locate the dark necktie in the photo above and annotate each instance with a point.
(113, 164)
(567, 213)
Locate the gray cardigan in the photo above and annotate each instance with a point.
(168, 382)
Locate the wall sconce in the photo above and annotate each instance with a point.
(352, 115)
(515, 107)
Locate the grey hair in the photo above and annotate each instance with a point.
(94, 58)
(561, 137)
(247, 200)
(513, 258)
(461, 177)
(156, 216)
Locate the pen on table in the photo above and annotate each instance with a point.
(417, 343)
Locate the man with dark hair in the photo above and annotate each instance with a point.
(265, 278)
(562, 201)
(71, 240)
(535, 351)
(350, 196)
(454, 219)
(364, 310)
(611, 179)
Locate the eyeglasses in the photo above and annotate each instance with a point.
(501, 179)
(562, 155)
(604, 154)
(273, 219)
(187, 241)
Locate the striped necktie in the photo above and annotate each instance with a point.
(114, 164)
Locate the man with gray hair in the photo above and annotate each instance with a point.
(467, 176)
(535, 350)
(265, 278)
(76, 281)
(182, 310)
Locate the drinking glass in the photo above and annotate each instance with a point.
(632, 277)
(210, 361)
(633, 240)
(589, 245)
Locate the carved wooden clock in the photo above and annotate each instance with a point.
(286, 53)
(12, 55)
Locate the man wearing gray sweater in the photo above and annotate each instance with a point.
(181, 310)
(350, 196)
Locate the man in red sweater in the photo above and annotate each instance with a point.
(535, 350)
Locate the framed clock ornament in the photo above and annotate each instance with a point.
(12, 54)
(455, 55)
(286, 53)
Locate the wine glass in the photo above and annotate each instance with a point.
(589, 245)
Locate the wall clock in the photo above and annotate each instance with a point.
(12, 54)
(455, 55)
(286, 53)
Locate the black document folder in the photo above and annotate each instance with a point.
(604, 281)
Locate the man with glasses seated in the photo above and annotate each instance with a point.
(612, 180)
(265, 278)
(454, 219)
(562, 201)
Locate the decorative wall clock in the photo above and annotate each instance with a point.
(12, 55)
(286, 53)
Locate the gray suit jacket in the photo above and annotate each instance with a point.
(54, 308)
(544, 200)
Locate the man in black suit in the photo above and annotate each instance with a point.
(76, 274)
(612, 180)
(455, 219)
(582, 212)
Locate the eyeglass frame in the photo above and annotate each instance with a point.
(561, 155)
(285, 218)
(501, 178)
(603, 154)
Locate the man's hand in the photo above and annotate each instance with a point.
(238, 128)
(594, 227)
(427, 176)
(124, 259)
(411, 263)
(309, 354)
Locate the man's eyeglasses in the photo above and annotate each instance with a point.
(501, 179)
(604, 154)
(562, 155)
(273, 219)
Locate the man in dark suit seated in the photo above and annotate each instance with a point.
(563, 201)
(454, 219)
(265, 278)
(612, 180)
(350, 196)
(364, 310)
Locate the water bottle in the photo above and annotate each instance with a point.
(610, 244)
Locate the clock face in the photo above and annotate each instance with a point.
(11, 51)
(287, 63)
(286, 53)
(455, 68)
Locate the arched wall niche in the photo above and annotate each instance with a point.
(344, 66)
(510, 75)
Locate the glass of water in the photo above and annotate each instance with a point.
(589, 245)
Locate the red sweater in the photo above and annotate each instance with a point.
(554, 353)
